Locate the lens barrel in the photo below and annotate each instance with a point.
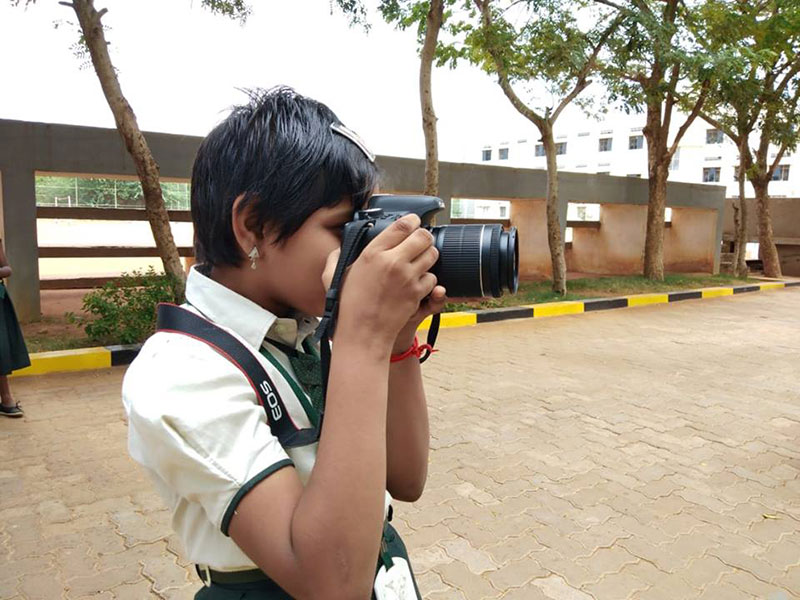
(476, 260)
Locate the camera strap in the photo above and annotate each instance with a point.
(351, 243)
(174, 319)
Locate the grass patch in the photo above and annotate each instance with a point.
(54, 334)
(536, 292)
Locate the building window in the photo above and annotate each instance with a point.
(634, 175)
(781, 173)
(503, 210)
(605, 145)
(636, 142)
(713, 136)
(675, 163)
(561, 148)
(539, 150)
(502, 154)
(711, 174)
(487, 155)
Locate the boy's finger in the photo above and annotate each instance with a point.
(415, 246)
(395, 233)
(426, 259)
(428, 283)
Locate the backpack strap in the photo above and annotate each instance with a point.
(174, 319)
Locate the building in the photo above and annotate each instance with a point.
(616, 146)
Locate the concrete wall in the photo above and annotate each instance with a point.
(616, 247)
(785, 218)
(27, 148)
(689, 243)
(785, 228)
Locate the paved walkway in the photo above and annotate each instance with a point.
(644, 453)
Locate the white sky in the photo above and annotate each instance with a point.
(179, 67)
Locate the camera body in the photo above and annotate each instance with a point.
(474, 260)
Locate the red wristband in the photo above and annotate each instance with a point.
(416, 349)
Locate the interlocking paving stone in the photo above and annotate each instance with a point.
(622, 454)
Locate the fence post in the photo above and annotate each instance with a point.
(18, 219)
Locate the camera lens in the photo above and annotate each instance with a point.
(476, 260)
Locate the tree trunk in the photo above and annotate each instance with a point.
(146, 167)
(740, 216)
(554, 239)
(654, 237)
(766, 245)
(736, 246)
(658, 171)
(433, 23)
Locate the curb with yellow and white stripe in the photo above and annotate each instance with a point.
(111, 356)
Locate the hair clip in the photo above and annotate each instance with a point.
(353, 137)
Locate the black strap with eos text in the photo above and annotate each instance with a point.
(174, 319)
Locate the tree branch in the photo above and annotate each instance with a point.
(718, 124)
(614, 5)
(502, 75)
(778, 158)
(670, 101)
(789, 76)
(643, 7)
(582, 81)
(580, 85)
(785, 145)
(698, 106)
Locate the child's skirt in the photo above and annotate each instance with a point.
(13, 353)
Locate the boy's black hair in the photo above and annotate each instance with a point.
(280, 153)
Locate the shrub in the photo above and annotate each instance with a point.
(124, 311)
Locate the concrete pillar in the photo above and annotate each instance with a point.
(529, 216)
(18, 229)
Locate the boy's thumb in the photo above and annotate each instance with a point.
(330, 268)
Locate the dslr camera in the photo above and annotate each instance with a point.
(474, 260)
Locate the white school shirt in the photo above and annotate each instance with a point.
(195, 424)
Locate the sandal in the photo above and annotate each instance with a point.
(11, 411)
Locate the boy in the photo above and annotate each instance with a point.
(272, 187)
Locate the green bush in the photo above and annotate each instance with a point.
(124, 312)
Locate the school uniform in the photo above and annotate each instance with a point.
(196, 426)
(13, 353)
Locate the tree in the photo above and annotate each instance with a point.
(93, 37)
(550, 48)
(656, 63)
(758, 92)
(428, 16)
(93, 40)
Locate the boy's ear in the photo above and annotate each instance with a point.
(241, 216)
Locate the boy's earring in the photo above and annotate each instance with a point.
(253, 256)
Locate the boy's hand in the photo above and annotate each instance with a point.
(431, 305)
(388, 284)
